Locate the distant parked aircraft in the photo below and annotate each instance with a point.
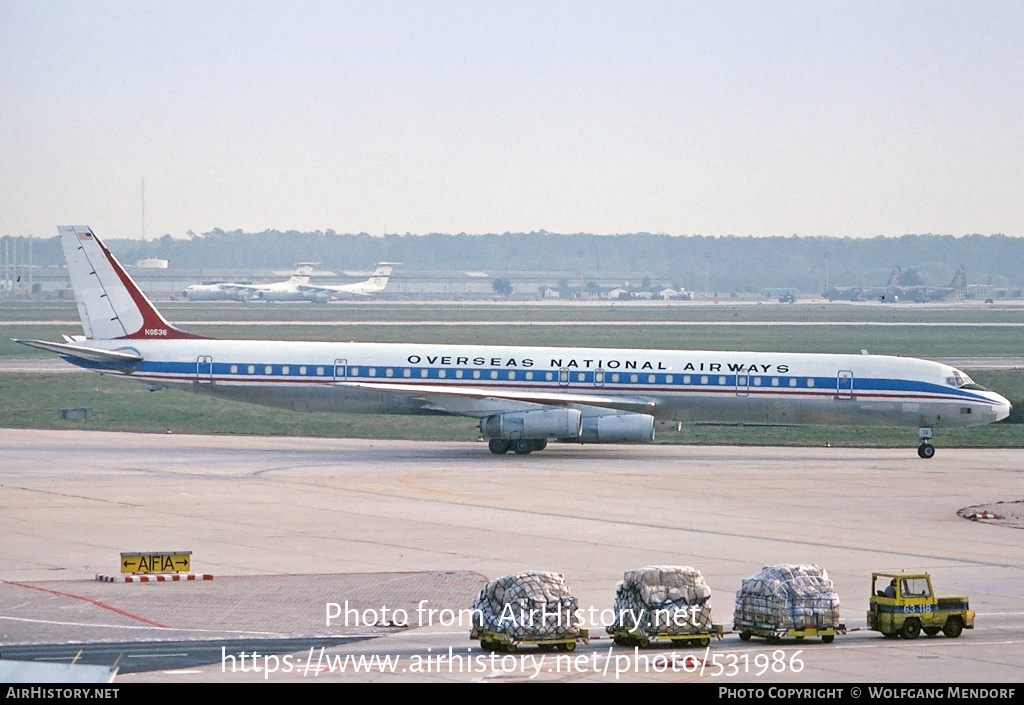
(894, 292)
(283, 291)
(320, 294)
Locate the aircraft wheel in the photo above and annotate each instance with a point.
(523, 447)
(954, 627)
(499, 446)
(828, 638)
(926, 450)
(744, 636)
(932, 631)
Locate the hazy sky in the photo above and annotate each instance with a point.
(759, 118)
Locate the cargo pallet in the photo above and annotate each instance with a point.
(776, 634)
(495, 641)
(638, 637)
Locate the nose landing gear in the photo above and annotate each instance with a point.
(926, 449)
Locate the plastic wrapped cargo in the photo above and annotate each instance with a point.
(790, 597)
(528, 605)
(669, 600)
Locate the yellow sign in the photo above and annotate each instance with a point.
(157, 562)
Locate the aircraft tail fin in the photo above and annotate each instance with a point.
(110, 303)
(379, 279)
(959, 278)
(301, 276)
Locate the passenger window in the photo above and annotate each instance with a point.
(792, 381)
(285, 370)
(372, 371)
(320, 371)
(442, 373)
(407, 372)
(251, 369)
(511, 375)
(302, 370)
(810, 381)
(423, 372)
(721, 379)
(234, 369)
(389, 372)
(268, 370)
(494, 374)
(458, 374)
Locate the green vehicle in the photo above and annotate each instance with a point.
(904, 604)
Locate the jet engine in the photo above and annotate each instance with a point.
(617, 428)
(546, 423)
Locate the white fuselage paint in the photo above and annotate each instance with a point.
(702, 386)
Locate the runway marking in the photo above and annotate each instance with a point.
(90, 600)
(156, 655)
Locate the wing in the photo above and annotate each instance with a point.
(454, 399)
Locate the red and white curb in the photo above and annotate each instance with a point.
(982, 515)
(172, 578)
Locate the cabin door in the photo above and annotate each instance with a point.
(204, 369)
(340, 370)
(743, 385)
(844, 384)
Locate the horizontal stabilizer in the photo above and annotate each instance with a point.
(111, 358)
(427, 391)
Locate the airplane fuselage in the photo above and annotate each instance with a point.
(704, 386)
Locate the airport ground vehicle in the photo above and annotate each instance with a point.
(904, 604)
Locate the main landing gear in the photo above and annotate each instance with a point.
(523, 446)
(926, 449)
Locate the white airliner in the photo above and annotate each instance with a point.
(522, 396)
(377, 282)
(290, 290)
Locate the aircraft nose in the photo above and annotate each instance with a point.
(1002, 407)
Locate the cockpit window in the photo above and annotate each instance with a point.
(962, 381)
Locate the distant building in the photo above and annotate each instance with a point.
(152, 263)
